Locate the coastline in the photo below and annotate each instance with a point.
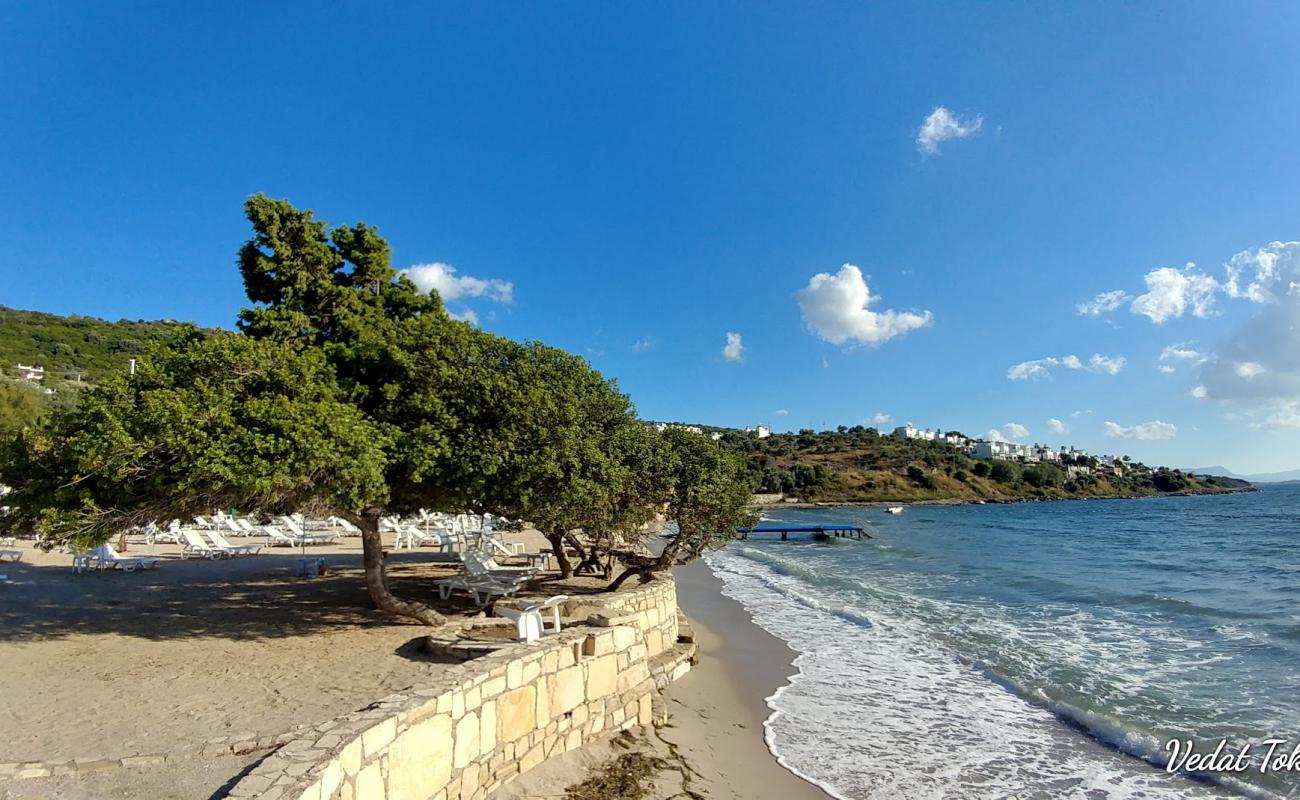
(718, 710)
(990, 501)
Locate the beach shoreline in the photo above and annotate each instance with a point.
(718, 711)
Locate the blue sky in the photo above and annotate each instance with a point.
(649, 178)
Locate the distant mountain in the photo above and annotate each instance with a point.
(1259, 477)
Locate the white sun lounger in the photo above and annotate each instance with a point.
(311, 538)
(278, 538)
(483, 587)
(105, 557)
(234, 549)
(479, 563)
(194, 545)
(12, 555)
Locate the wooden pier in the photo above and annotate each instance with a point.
(817, 531)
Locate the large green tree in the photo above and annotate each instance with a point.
(205, 422)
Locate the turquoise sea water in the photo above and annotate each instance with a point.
(1035, 649)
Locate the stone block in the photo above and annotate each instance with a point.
(420, 761)
(467, 735)
(487, 737)
(602, 676)
(378, 737)
(516, 713)
(370, 783)
(514, 674)
(567, 690)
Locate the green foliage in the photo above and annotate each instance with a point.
(1167, 480)
(1043, 475)
(205, 422)
(1004, 471)
(20, 406)
(70, 346)
(920, 477)
(980, 469)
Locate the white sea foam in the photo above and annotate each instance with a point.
(881, 707)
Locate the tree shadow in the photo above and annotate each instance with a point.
(254, 597)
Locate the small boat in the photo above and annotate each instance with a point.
(895, 510)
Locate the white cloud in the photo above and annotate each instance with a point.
(1007, 433)
(733, 350)
(642, 345)
(465, 315)
(1176, 354)
(1056, 426)
(781, 412)
(1103, 303)
(1261, 268)
(1105, 364)
(942, 126)
(1282, 417)
(1199, 392)
(837, 308)
(450, 286)
(1041, 368)
(881, 418)
(1248, 370)
(1146, 432)
(1172, 291)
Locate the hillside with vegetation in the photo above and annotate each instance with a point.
(859, 464)
(75, 352)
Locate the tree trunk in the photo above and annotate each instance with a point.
(372, 544)
(643, 572)
(562, 560)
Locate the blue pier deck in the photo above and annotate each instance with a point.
(837, 531)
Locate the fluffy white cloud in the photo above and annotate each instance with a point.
(1199, 392)
(1172, 291)
(1056, 426)
(881, 419)
(781, 412)
(1176, 353)
(642, 345)
(1105, 364)
(1255, 274)
(942, 126)
(1103, 303)
(1041, 368)
(1280, 417)
(1007, 433)
(838, 309)
(450, 286)
(1248, 370)
(1147, 431)
(733, 350)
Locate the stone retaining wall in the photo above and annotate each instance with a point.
(484, 722)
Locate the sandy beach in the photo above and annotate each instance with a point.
(158, 665)
(713, 743)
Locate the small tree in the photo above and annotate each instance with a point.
(708, 497)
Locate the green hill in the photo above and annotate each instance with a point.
(75, 352)
(858, 464)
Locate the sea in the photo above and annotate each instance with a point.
(1035, 650)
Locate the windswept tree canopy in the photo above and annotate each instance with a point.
(207, 422)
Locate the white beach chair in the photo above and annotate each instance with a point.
(194, 544)
(106, 557)
(295, 528)
(348, 528)
(532, 625)
(12, 555)
(480, 563)
(483, 587)
(278, 538)
(220, 542)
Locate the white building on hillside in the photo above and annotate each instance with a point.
(760, 431)
(30, 374)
